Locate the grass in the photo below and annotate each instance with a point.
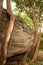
(41, 42)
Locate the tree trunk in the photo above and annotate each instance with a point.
(38, 38)
(36, 51)
(6, 40)
(36, 31)
(7, 34)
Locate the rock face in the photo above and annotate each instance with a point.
(22, 37)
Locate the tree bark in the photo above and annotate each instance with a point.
(38, 38)
(36, 31)
(36, 51)
(6, 40)
(7, 34)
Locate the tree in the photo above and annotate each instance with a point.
(8, 32)
(11, 24)
(33, 9)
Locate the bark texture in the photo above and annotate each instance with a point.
(4, 50)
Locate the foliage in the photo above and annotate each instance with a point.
(26, 5)
(26, 19)
(41, 34)
(41, 42)
(24, 16)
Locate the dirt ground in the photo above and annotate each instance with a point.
(39, 60)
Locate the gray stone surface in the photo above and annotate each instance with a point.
(22, 37)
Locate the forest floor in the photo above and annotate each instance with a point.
(39, 60)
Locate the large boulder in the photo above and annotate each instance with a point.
(22, 37)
